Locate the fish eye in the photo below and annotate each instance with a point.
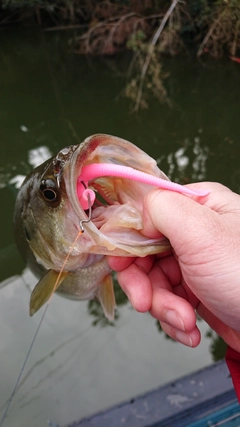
(50, 192)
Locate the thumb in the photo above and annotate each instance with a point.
(180, 218)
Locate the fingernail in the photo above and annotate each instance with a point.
(184, 338)
(173, 319)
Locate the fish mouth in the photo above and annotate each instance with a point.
(112, 214)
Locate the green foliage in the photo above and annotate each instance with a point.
(153, 81)
(222, 29)
(218, 347)
(136, 40)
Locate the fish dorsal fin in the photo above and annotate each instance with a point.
(44, 289)
(106, 297)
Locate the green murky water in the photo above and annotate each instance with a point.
(50, 99)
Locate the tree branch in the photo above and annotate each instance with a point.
(150, 51)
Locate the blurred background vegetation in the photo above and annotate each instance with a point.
(105, 27)
(149, 29)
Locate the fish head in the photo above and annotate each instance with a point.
(116, 218)
(45, 223)
(54, 232)
(48, 213)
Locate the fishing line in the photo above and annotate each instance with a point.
(23, 367)
(44, 313)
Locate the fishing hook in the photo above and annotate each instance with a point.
(85, 221)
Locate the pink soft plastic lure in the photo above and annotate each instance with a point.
(97, 170)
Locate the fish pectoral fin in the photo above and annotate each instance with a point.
(44, 289)
(106, 297)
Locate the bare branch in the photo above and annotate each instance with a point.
(210, 32)
(236, 34)
(150, 51)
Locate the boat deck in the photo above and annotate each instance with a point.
(202, 399)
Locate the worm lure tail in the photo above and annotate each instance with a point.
(97, 170)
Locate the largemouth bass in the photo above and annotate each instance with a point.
(48, 215)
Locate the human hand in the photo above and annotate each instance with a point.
(201, 275)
